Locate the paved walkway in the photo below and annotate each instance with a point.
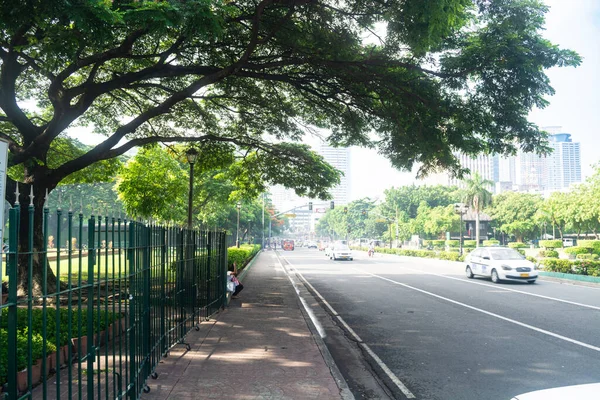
(260, 347)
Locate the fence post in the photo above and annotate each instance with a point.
(91, 351)
(12, 300)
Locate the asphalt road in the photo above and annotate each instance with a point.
(446, 337)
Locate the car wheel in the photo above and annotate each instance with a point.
(334, 259)
(531, 281)
(352, 259)
(495, 277)
(469, 272)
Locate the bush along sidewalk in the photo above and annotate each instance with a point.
(242, 255)
(576, 267)
(103, 322)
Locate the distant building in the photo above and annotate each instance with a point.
(338, 157)
(525, 172)
(564, 164)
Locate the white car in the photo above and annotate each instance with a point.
(340, 252)
(588, 391)
(500, 264)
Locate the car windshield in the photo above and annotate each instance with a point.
(505, 254)
(342, 247)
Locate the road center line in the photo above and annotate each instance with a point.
(401, 386)
(501, 288)
(545, 332)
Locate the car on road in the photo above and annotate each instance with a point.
(588, 391)
(500, 264)
(340, 251)
(311, 245)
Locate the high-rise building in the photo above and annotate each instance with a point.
(486, 166)
(338, 157)
(564, 163)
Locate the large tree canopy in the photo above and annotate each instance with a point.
(448, 75)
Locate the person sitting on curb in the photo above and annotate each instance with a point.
(232, 276)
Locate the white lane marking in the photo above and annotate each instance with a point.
(361, 343)
(545, 332)
(499, 287)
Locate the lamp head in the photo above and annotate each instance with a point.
(191, 155)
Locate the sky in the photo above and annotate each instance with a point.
(572, 24)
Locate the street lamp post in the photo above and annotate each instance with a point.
(237, 234)
(461, 209)
(191, 155)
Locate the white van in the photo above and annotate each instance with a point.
(568, 242)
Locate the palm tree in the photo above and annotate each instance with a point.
(477, 196)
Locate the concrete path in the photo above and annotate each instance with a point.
(260, 347)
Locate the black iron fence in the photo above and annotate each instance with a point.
(92, 318)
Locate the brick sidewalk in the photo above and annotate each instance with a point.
(260, 347)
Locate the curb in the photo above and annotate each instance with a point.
(570, 277)
(345, 392)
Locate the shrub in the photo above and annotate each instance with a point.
(452, 243)
(427, 243)
(521, 251)
(517, 245)
(491, 242)
(551, 244)
(470, 243)
(449, 255)
(556, 265)
(587, 256)
(548, 253)
(242, 255)
(585, 267)
(438, 244)
(593, 245)
(577, 250)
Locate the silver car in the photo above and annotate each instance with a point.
(340, 252)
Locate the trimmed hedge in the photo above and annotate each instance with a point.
(578, 267)
(452, 243)
(438, 244)
(242, 255)
(470, 243)
(491, 242)
(441, 255)
(548, 253)
(577, 250)
(587, 256)
(517, 245)
(593, 245)
(551, 244)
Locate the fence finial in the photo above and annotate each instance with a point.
(46, 199)
(70, 203)
(31, 196)
(17, 194)
(59, 200)
(81, 206)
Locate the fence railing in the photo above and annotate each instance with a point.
(93, 318)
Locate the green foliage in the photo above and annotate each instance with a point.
(577, 250)
(517, 245)
(491, 242)
(439, 244)
(548, 253)
(101, 322)
(452, 243)
(587, 256)
(242, 255)
(593, 245)
(551, 244)
(558, 265)
(513, 213)
(470, 243)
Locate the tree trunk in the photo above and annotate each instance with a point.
(32, 234)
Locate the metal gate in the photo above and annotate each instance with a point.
(124, 293)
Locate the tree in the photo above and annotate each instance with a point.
(514, 213)
(478, 197)
(454, 75)
(407, 199)
(439, 220)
